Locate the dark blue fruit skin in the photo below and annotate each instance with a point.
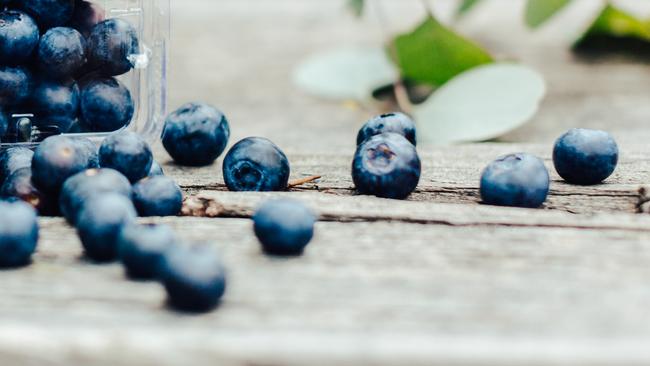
(194, 278)
(83, 186)
(392, 122)
(15, 85)
(106, 105)
(89, 149)
(155, 170)
(386, 166)
(284, 226)
(195, 134)
(61, 53)
(55, 104)
(100, 222)
(128, 153)
(49, 13)
(516, 180)
(18, 37)
(585, 157)
(142, 249)
(56, 159)
(86, 15)
(110, 44)
(4, 124)
(18, 234)
(19, 187)
(256, 164)
(13, 159)
(157, 196)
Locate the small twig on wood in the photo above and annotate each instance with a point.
(301, 181)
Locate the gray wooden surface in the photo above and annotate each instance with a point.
(436, 280)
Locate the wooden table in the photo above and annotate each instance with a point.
(436, 280)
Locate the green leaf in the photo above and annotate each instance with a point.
(481, 104)
(613, 22)
(434, 54)
(539, 11)
(356, 6)
(465, 6)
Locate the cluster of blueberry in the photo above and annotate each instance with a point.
(580, 156)
(58, 62)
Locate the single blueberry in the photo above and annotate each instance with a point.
(516, 180)
(91, 183)
(15, 85)
(55, 104)
(128, 153)
(386, 165)
(256, 164)
(284, 226)
(155, 170)
(49, 13)
(19, 186)
(111, 45)
(106, 105)
(56, 159)
(157, 196)
(18, 234)
(18, 37)
(86, 16)
(61, 53)
(585, 157)
(13, 159)
(195, 134)
(392, 122)
(142, 249)
(194, 278)
(100, 222)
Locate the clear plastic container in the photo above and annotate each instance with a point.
(147, 81)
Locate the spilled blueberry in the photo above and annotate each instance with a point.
(396, 122)
(142, 249)
(157, 196)
(516, 180)
(284, 226)
(18, 234)
(14, 158)
(585, 157)
(256, 164)
(128, 153)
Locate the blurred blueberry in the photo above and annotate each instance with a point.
(19, 186)
(86, 15)
(106, 105)
(517, 180)
(61, 53)
(18, 37)
(392, 122)
(13, 159)
(195, 134)
(55, 104)
(100, 222)
(194, 278)
(15, 85)
(157, 196)
(89, 149)
(110, 45)
(83, 186)
(18, 234)
(256, 164)
(284, 226)
(142, 249)
(128, 153)
(156, 169)
(585, 157)
(386, 165)
(49, 13)
(56, 159)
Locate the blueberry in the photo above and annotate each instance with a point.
(49, 13)
(256, 164)
(13, 159)
(157, 196)
(89, 149)
(284, 226)
(55, 104)
(86, 15)
(15, 85)
(386, 165)
(585, 157)
(61, 53)
(100, 222)
(106, 105)
(4, 124)
(18, 37)
(194, 278)
(517, 180)
(19, 186)
(392, 122)
(18, 234)
(142, 249)
(195, 134)
(56, 159)
(155, 170)
(128, 153)
(110, 46)
(81, 187)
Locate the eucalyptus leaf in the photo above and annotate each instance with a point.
(434, 54)
(346, 73)
(481, 104)
(465, 6)
(356, 6)
(616, 26)
(539, 11)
